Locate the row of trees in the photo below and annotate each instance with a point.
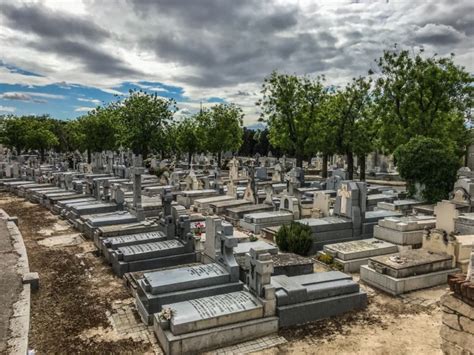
(407, 96)
(142, 122)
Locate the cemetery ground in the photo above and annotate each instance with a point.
(82, 307)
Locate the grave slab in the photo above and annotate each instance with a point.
(210, 339)
(214, 311)
(399, 286)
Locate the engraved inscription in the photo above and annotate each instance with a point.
(149, 247)
(221, 304)
(206, 270)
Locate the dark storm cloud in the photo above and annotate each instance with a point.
(439, 35)
(94, 59)
(19, 96)
(231, 42)
(209, 44)
(457, 14)
(67, 36)
(52, 24)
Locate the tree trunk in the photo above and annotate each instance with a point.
(219, 156)
(89, 156)
(362, 167)
(144, 153)
(324, 173)
(466, 156)
(42, 154)
(350, 165)
(190, 157)
(299, 160)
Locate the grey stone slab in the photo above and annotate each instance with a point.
(397, 286)
(209, 339)
(185, 278)
(268, 217)
(213, 311)
(244, 248)
(332, 236)
(148, 303)
(302, 288)
(317, 246)
(410, 262)
(414, 237)
(374, 216)
(95, 208)
(132, 239)
(326, 224)
(360, 249)
(317, 309)
(148, 250)
(409, 223)
(121, 267)
(111, 218)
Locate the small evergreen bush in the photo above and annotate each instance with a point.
(295, 238)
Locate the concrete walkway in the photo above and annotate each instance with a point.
(14, 296)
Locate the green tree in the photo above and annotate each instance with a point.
(290, 104)
(220, 127)
(39, 137)
(97, 131)
(14, 131)
(354, 122)
(422, 96)
(322, 130)
(429, 167)
(187, 136)
(144, 119)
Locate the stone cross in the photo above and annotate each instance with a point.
(211, 247)
(228, 242)
(260, 268)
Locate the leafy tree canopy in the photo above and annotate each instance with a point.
(429, 165)
(421, 96)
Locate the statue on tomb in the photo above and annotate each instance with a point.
(233, 169)
(345, 195)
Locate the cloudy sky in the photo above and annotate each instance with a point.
(65, 57)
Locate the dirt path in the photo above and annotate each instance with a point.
(82, 307)
(78, 294)
(388, 326)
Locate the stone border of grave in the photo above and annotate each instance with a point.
(19, 323)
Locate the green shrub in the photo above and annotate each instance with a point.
(429, 164)
(326, 258)
(295, 238)
(281, 238)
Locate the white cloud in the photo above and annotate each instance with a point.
(7, 109)
(94, 101)
(83, 109)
